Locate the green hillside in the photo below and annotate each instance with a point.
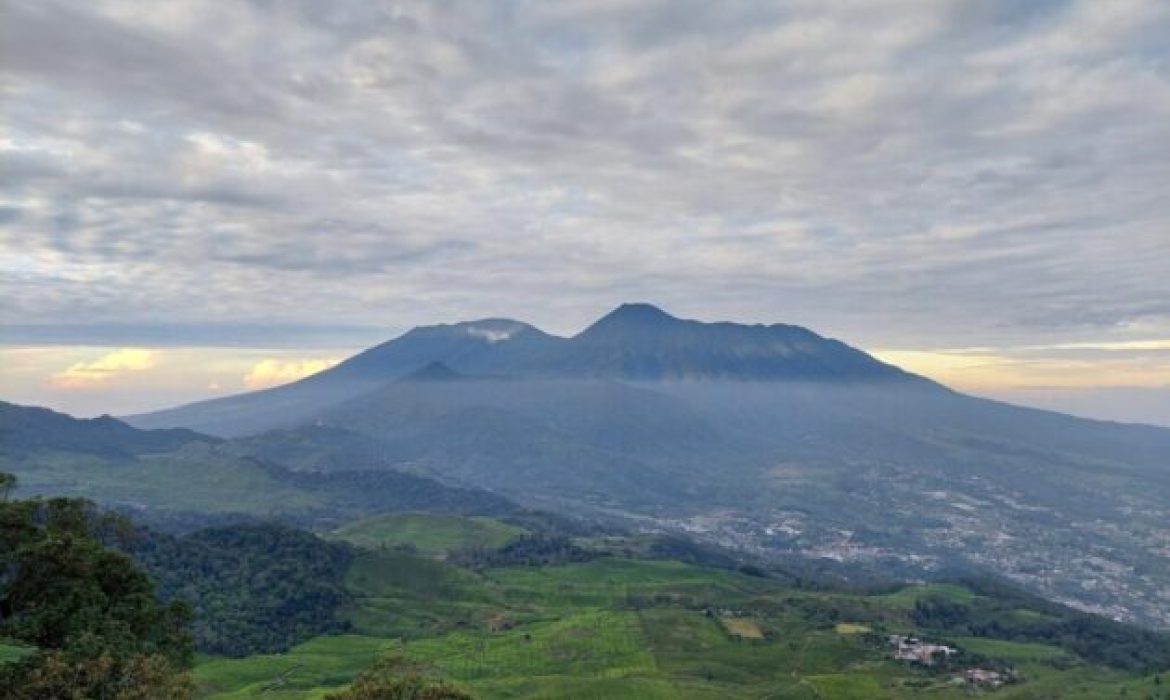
(616, 627)
(206, 480)
(429, 533)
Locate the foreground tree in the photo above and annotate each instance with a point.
(393, 678)
(92, 614)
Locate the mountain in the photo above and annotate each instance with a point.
(635, 342)
(770, 438)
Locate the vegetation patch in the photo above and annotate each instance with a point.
(848, 628)
(619, 628)
(905, 598)
(85, 618)
(1013, 651)
(846, 686)
(526, 550)
(254, 588)
(14, 652)
(323, 664)
(742, 627)
(434, 534)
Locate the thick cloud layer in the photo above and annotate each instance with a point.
(902, 174)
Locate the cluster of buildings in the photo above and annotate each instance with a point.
(917, 651)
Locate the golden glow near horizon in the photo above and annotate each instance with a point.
(92, 380)
(1143, 363)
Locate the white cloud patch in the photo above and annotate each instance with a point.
(491, 335)
(105, 369)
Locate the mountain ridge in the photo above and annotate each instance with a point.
(634, 342)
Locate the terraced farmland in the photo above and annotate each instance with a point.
(631, 628)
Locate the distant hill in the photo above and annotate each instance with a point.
(25, 430)
(173, 475)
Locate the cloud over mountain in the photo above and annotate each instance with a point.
(845, 164)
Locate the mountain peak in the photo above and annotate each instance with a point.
(641, 341)
(638, 314)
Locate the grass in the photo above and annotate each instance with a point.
(847, 686)
(848, 628)
(1012, 651)
(309, 670)
(585, 643)
(905, 598)
(431, 533)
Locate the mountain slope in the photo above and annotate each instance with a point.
(599, 441)
(635, 342)
(769, 438)
(486, 346)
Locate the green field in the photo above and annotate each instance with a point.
(309, 670)
(626, 628)
(430, 533)
(1011, 651)
(908, 596)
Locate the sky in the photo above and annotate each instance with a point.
(201, 198)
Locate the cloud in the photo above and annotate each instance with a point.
(107, 368)
(186, 335)
(492, 335)
(271, 372)
(1114, 346)
(902, 175)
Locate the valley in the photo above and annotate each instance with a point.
(616, 627)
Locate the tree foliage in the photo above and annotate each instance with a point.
(90, 611)
(527, 550)
(1091, 637)
(257, 588)
(393, 678)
